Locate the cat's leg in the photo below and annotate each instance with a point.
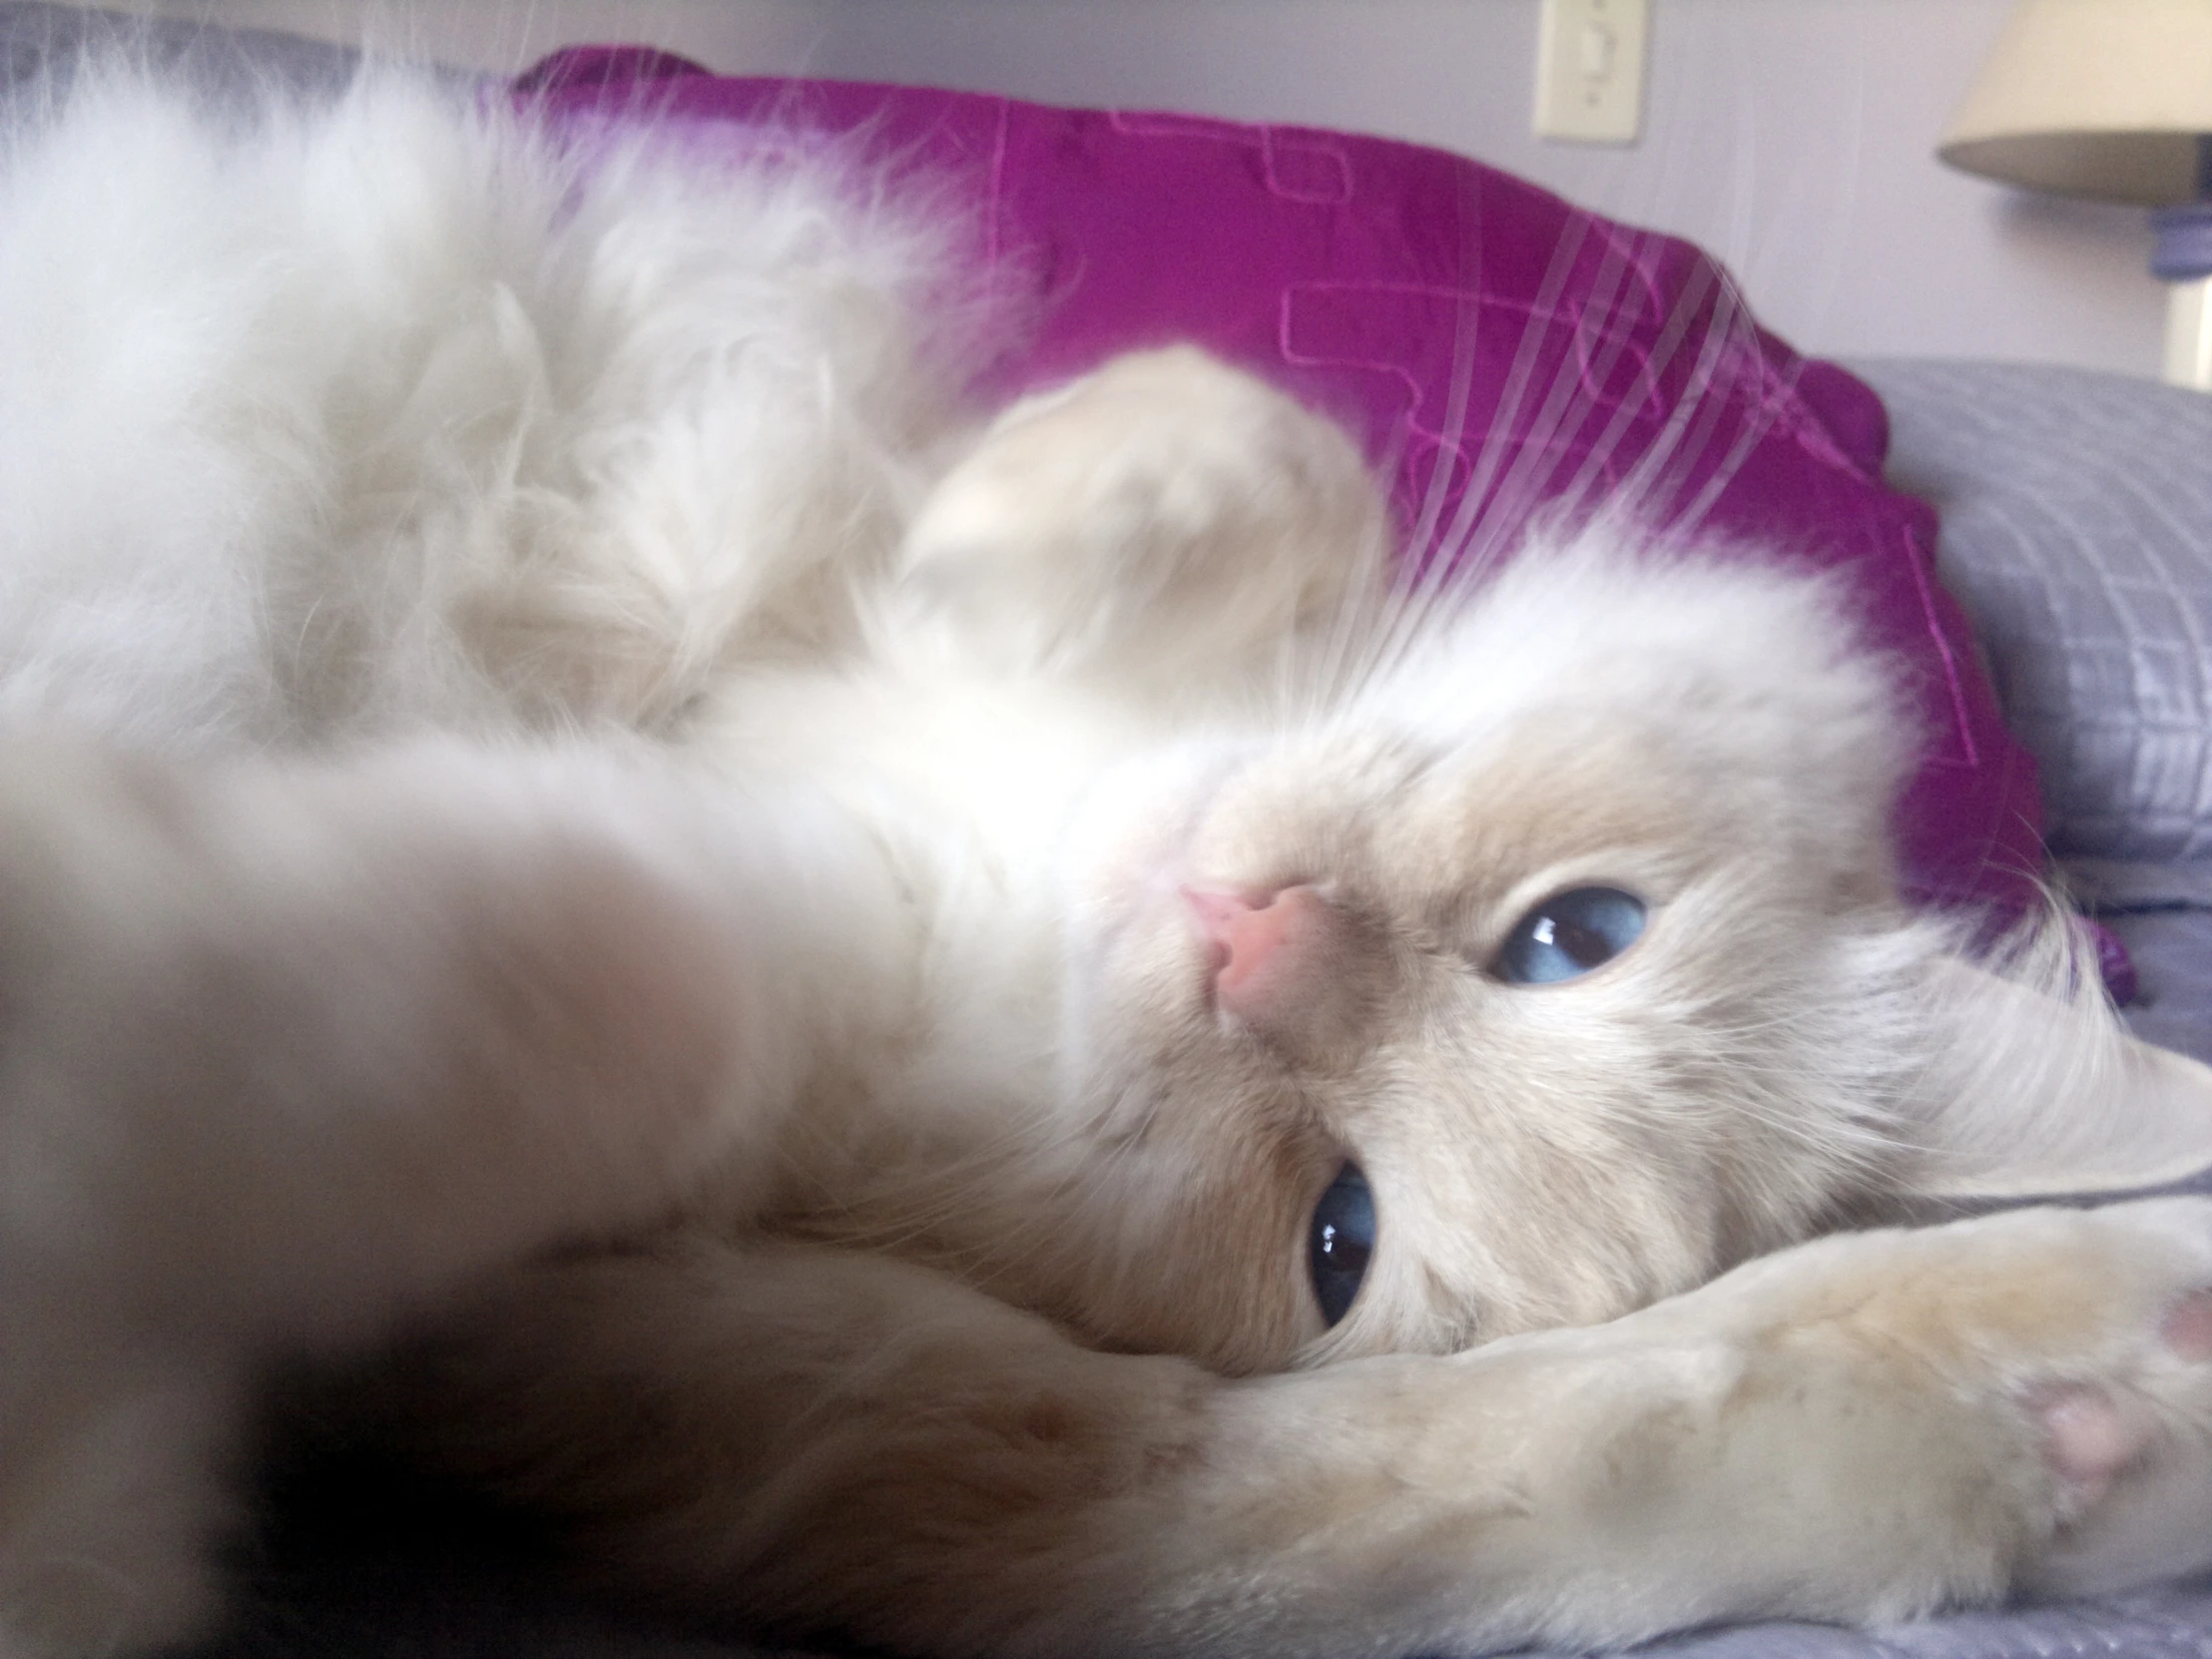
(286, 1051)
(1165, 520)
(1870, 1427)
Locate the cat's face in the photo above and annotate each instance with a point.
(1549, 920)
(1571, 933)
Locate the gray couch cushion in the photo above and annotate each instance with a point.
(39, 42)
(2077, 534)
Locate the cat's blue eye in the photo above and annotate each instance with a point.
(1568, 934)
(1340, 1240)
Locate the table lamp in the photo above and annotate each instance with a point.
(2111, 99)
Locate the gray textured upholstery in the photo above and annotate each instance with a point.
(2077, 532)
(2174, 1622)
(40, 42)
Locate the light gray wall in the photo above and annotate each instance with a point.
(1793, 137)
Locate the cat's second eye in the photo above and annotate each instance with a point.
(1568, 934)
(1339, 1242)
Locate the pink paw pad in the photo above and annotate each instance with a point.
(2187, 1328)
(2086, 1439)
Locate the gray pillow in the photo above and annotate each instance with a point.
(39, 42)
(2077, 533)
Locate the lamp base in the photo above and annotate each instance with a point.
(2182, 255)
(2189, 333)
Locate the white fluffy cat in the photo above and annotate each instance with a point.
(1124, 1081)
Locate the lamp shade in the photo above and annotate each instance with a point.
(2109, 98)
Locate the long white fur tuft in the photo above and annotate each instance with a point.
(330, 419)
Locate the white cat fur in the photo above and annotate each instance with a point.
(530, 717)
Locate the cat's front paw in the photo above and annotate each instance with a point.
(2129, 1435)
(2060, 1363)
(1163, 518)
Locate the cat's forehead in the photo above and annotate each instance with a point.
(1582, 702)
(1591, 623)
(1562, 788)
(1433, 824)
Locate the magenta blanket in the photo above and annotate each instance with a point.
(1493, 348)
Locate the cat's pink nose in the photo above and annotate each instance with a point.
(1265, 945)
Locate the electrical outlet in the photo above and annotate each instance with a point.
(1590, 70)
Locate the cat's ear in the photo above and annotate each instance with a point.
(2036, 1092)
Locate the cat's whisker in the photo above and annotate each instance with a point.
(1486, 526)
(1421, 538)
(1632, 499)
(1432, 561)
(1685, 443)
(1494, 507)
